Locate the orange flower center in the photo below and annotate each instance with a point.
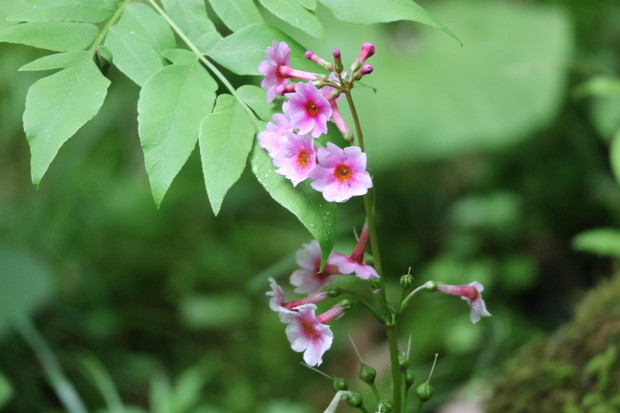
(311, 108)
(308, 329)
(303, 158)
(342, 172)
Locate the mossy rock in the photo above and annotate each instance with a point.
(575, 370)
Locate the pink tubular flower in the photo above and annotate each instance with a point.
(309, 333)
(296, 158)
(308, 110)
(277, 70)
(355, 262)
(308, 279)
(277, 303)
(472, 293)
(340, 173)
(271, 138)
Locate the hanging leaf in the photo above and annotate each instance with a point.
(58, 36)
(296, 15)
(55, 61)
(171, 106)
(57, 106)
(308, 205)
(226, 137)
(599, 241)
(237, 14)
(87, 11)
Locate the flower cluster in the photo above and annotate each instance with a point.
(290, 139)
(307, 332)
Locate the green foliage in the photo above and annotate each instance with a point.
(57, 36)
(226, 137)
(172, 104)
(237, 14)
(296, 15)
(599, 241)
(6, 390)
(190, 16)
(56, 61)
(87, 11)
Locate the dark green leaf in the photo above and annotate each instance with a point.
(58, 36)
(308, 205)
(57, 106)
(25, 284)
(237, 14)
(56, 61)
(190, 16)
(171, 106)
(382, 11)
(226, 137)
(87, 11)
(614, 155)
(599, 241)
(296, 15)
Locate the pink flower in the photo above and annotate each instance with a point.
(472, 293)
(277, 303)
(309, 333)
(340, 173)
(309, 280)
(308, 110)
(277, 70)
(296, 158)
(355, 262)
(271, 138)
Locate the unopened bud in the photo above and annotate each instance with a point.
(403, 360)
(339, 384)
(375, 284)
(386, 406)
(333, 292)
(406, 281)
(424, 391)
(310, 55)
(354, 399)
(367, 374)
(346, 304)
(409, 378)
(337, 60)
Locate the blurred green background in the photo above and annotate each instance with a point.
(486, 165)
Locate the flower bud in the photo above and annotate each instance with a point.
(367, 373)
(354, 399)
(333, 292)
(424, 391)
(375, 284)
(406, 281)
(409, 378)
(337, 60)
(386, 406)
(339, 384)
(346, 304)
(403, 360)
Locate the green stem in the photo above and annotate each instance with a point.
(106, 28)
(62, 387)
(375, 391)
(389, 316)
(426, 286)
(366, 304)
(207, 63)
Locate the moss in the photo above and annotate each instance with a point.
(576, 369)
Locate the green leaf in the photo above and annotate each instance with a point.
(214, 311)
(137, 40)
(190, 16)
(132, 54)
(598, 86)
(180, 56)
(6, 390)
(382, 11)
(25, 284)
(308, 4)
(599, 241)
(226, 137)
(6, 8)
(242, 51)
(308, 205)
(87, 11)
(55, 61)
(614, 156)
(296, 15)
(256, 98)
(237, 14)
(171, 106)
(57, 106)
(58, 36)
(146, 23)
